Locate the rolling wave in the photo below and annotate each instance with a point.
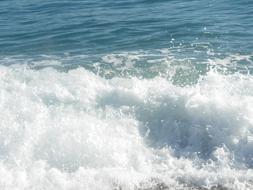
(77, 129)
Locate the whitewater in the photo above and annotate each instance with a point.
(126, 95)
(68, 128)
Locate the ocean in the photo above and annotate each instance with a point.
(126, 95)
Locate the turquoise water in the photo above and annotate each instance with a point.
(130, 95)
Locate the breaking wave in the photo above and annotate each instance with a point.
(80, 129)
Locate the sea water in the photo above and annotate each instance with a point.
(126, 94)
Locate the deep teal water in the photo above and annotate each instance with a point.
(34, 27)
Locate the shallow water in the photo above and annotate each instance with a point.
(126, 95)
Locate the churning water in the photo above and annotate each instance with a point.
(126, 95)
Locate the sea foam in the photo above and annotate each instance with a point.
(78, 130)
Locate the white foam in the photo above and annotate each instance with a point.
(77, 130)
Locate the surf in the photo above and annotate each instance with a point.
(77, 128)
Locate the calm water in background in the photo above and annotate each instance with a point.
(91, 27)
(126, 94)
